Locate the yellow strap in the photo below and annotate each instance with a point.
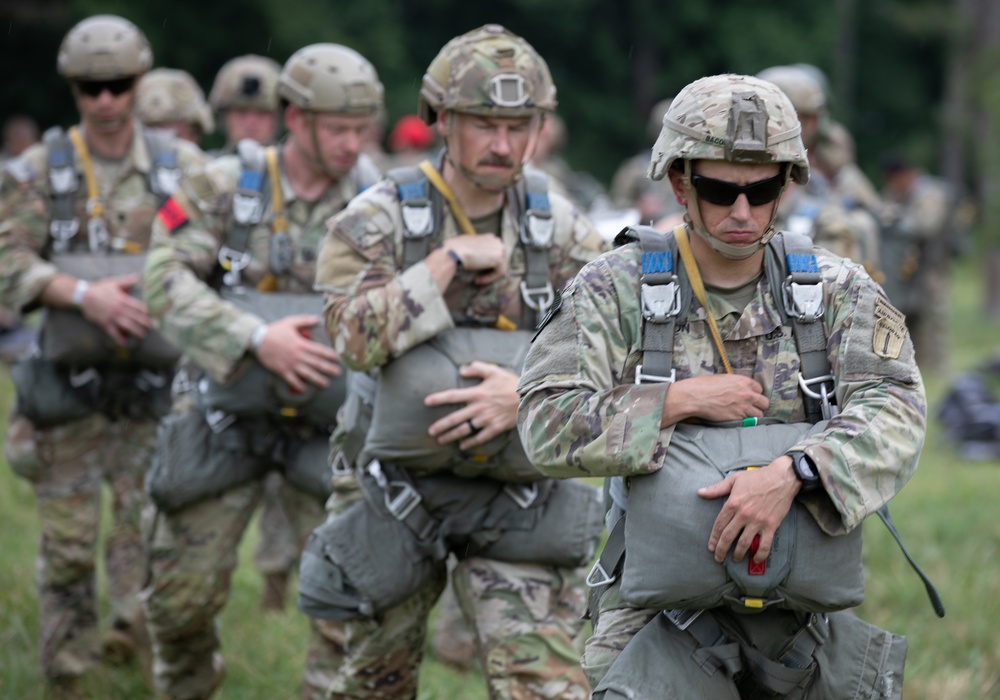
(698, 287)
(280, 224)
(95, 209)
(503, 323)
(456, 207)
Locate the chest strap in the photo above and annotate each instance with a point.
(63, 184)
(164, 172)
(536, 231)
(248, 206)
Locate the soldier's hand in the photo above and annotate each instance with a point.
(490, 407)
(108, 304)
(289, 351)
(714, 397)
(483, 253)
(758, 500)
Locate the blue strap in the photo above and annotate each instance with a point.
(251, 180)
(537, 201)
(657, 262)
(799, 263)
(412, 190)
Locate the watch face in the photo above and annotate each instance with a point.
(805, 467)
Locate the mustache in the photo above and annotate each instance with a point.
(495, 160)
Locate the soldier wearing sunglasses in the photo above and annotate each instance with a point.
(78, 212)
(604, 393)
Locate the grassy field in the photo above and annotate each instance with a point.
(947, 516)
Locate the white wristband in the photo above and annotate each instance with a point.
(78, 293)
(257, 337)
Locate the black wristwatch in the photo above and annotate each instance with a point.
(805, 470)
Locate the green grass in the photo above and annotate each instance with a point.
(947, 517)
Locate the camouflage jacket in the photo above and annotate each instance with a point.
(376, 311)
(183, 258)
(581, 414)
(25, 212)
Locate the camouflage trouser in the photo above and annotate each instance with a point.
(524, 618)
(193, 553)
(278, 547)
(67, 465)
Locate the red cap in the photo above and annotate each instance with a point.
(410, 132)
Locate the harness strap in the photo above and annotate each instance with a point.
(698, 286)
(63, 184)
(282, 255)
(421, 213)
(932, 593)
(165, 173)
(537, 229)
(607, 568)
(248, 205)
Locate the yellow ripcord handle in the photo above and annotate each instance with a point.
(687, 257)
(503, 323)
(269, 282)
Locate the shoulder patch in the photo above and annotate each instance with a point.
(172, 215)
(889, 332)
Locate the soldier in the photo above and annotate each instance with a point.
(831, 219)
(245, 100)
(171, 99)
(640, 362)
(241, 236)
(78, 210)
(19, 132)
(460, 251)
(918, 244)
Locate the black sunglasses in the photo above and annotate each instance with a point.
(94, 88)
(724, 194)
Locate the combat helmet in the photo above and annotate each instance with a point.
(170, 95)
(488, 71)
(807, 94)
(734, 118)
(246, 82)
(104, 47)
(331, 78)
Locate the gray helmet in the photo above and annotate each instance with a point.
(169, 95)
(104, 47)
(737, 118)
(803, 89)
(331, 78)
(488, 71)
(246, 82)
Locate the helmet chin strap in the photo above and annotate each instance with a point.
(726, 250)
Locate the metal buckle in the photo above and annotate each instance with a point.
(340, 467)
(165, 180)
(63, 180)
(83, 377)
(147, 379)
(182, 382)
(640, 377)
(538, 229)
(248, 207)
(660, 301)
(824, 395)
(803, 301)
(232, 261)
(538, 299)
(819, 632)
(522, 494)
(682, 618)
(418, 219)
(400, 497)
(98, 237)
(62, 231)
(598, 569)
(219, 420)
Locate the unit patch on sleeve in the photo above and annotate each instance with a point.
(172, 215)
(890, 330)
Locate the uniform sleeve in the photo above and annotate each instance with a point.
(576, 418)
(374, 311)
(24, 231)
(581, 245)
(870, 450)
(187, 235)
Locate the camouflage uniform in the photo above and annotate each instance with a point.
(68, 463)
(524, 616)
(194, 548)
(582, 414)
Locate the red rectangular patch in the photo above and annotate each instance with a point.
(754, 569)
(172, 215)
